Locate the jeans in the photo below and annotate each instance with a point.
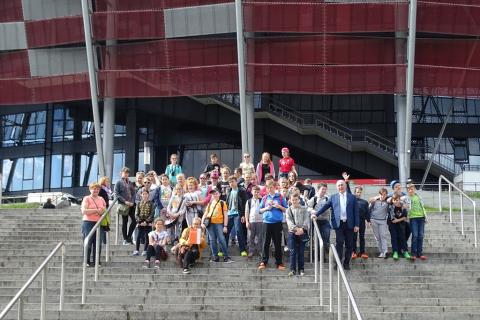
(397, 233)
(360, 234)
(344, 237)
(215, 232)
(87, 226)
(142, 234)
(154, 251)
(234, 222)
(272, 231)
(417, 225)
(128, 235)
(297, 252)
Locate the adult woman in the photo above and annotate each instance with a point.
(264, 167)
(93, 206)
(193, 201)
(106, 194)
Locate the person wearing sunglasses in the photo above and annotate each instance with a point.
(246, 165)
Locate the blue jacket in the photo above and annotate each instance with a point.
(275, 215)
(352, 210)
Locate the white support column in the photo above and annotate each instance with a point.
(109, 135)
(241, 76)
(250, 124)
(412, 29)
(91, 58)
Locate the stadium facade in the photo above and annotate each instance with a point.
(326, 78)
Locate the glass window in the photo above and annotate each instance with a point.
(12, 126)
(88, 168)
(26, 173)
(62, 171)
(63, 125)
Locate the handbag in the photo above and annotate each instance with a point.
(122, 209)
(206, 220)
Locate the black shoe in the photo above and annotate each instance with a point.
(346, 267)
(335, 267)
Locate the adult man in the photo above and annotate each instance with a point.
(344, 220)
(125, 191)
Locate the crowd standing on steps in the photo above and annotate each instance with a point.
(248, 206)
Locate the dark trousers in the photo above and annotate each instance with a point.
(133, 223)
(142, 235)
(272, 231)
(360, 234)
(397, 234)
(154, 251)
(87, 226)
(190, 257)
(344, 237)
(297, 252)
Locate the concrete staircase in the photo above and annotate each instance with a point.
(443, 287)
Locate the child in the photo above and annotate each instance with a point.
(323, 220)
(176, 211)
(223, 185)
(286, 164)
(157, 240)
(378, 220)
(254, 221)
(298, 221)
(144, 215)
(189, 252)
(213, 165)
(418, 217)
(396, 224)
(173, 169)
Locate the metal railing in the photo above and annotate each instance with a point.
(462, 195)
(318, 242)
(341, 275)
(97, 249)
(43, 297)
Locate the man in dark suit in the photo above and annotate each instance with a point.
(345, 220)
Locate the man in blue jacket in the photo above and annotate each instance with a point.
(345, 220)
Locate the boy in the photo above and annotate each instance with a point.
(323, 220)
(173, 169)
(364, 218)
(223, 184)
(298, 222)
(272, 206)
(213, 165)
(236, 199)
(378, 220)
(254, 221)
(396, 225)
(418, 217)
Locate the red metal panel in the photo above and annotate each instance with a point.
(11, 11)
(175, 82)
(322, 17)
(44, 89)
(308, 79)
(170, 53)
(128, 25)
(449, 18)
(320, 49)
(58, 31)
(448, 52)
(14, 64)
(444, 81)
(127, 5)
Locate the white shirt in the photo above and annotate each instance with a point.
(343, 206)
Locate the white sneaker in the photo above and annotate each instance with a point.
(135, 253)
(382, 255)
(285, 249)
(144, 253)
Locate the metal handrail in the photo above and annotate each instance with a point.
(43, 297)
(462, 195)
(341, 273)
(97, 249)
(318, 240)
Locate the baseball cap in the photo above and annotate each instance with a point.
(393, 183)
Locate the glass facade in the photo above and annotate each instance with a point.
(23, 173)
(433, 110)
(23, 128)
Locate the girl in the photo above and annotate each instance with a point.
(157, 240)
(173, 169)
(176, 211)
(263, 167)
(193, 200)
(247, 165)
(144, 215)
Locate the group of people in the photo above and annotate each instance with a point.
(249, 206)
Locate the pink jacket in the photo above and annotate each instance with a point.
(260, 173)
